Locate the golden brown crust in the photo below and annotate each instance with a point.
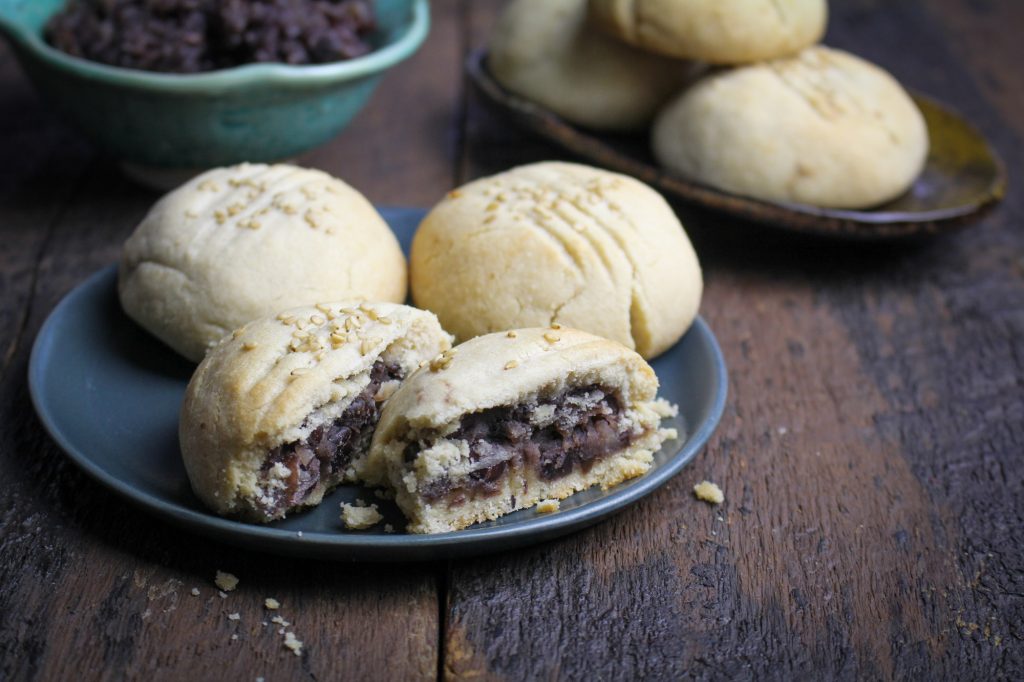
(544, 51)
(824, 128)
(239, 243)
(558, 242)
(714, 31)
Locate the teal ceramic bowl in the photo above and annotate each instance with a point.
(256, 112)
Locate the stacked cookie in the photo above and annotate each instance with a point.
(773, 116)
(288, 286)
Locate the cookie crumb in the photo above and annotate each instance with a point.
(388, 528)
(272, 603)
(226, 581)
(548, 506)
(195, 591)
(709, 492)
(280, 621)
(222, 594)
(234, 637)
(511, 364)
(234, 616)
(290, 642)
(359, 518)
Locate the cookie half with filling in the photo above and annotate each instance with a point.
(506, 420)
(284, 409)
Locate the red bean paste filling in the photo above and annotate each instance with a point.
(189, 36)
(330, 447)
(503, 439)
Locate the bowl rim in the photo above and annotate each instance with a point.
(415, 32)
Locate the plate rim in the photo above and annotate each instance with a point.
(791, 217)
(357, 546)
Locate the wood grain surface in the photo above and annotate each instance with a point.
(871, 453)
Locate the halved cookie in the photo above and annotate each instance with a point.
(508, 419)
(283, 409)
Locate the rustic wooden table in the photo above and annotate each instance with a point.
(870, 453)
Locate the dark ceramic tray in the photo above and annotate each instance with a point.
(109, 394)
(962, 178)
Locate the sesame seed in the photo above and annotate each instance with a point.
(317, 320)
(323, 307)
(454, 194)
(489, 219)
(511, 364)
(551, 338)
(311, 219)
(235, 334)
(235, 209)
(321, 355)
(555, 325)
(220, 217)
(300, 323)
(384, 320)
(512, 334)
(300, 371)
(248, 345)
(493, 206)
(208, 186)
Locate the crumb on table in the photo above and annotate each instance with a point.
(359, 518)
(709, 492)
(226, 581)
(548, 506)
(292, 643)
(271, 603)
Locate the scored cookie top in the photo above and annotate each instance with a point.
(263, 381)
(573, 244)
(506, 368)
(237, 243)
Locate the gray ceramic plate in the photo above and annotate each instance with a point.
(109, 395)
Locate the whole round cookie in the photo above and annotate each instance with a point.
(558, 243)
(824, 128)
(239, 243)
(544, 51)
(715, 31)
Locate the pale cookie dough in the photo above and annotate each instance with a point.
(283, 409)
(824, 128)
(505, 421)
(558, 243)
(715, 31)
(544, 51)
(239, 243)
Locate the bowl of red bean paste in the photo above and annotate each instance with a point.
(171, 87)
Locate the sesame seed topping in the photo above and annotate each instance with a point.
(300, 371)
(555, 325)
(300, 323)
(511, 364)
(311, 219)
(318, 319)
(551, 337)
(512, 334)
(493, 206)
(208, 186)
(321, 355)
(220, 217)
(442, 361)
(235, 209)
(248, 345)
(235, 334)
(323, 307)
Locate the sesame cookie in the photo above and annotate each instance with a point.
(824, 128)
(544, 51)
(558, 242)
(714, 31)
(239, 243)
(283, 409)
(513, 418)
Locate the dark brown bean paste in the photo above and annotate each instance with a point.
(329, 448)
(189, 36)
(503, 438)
